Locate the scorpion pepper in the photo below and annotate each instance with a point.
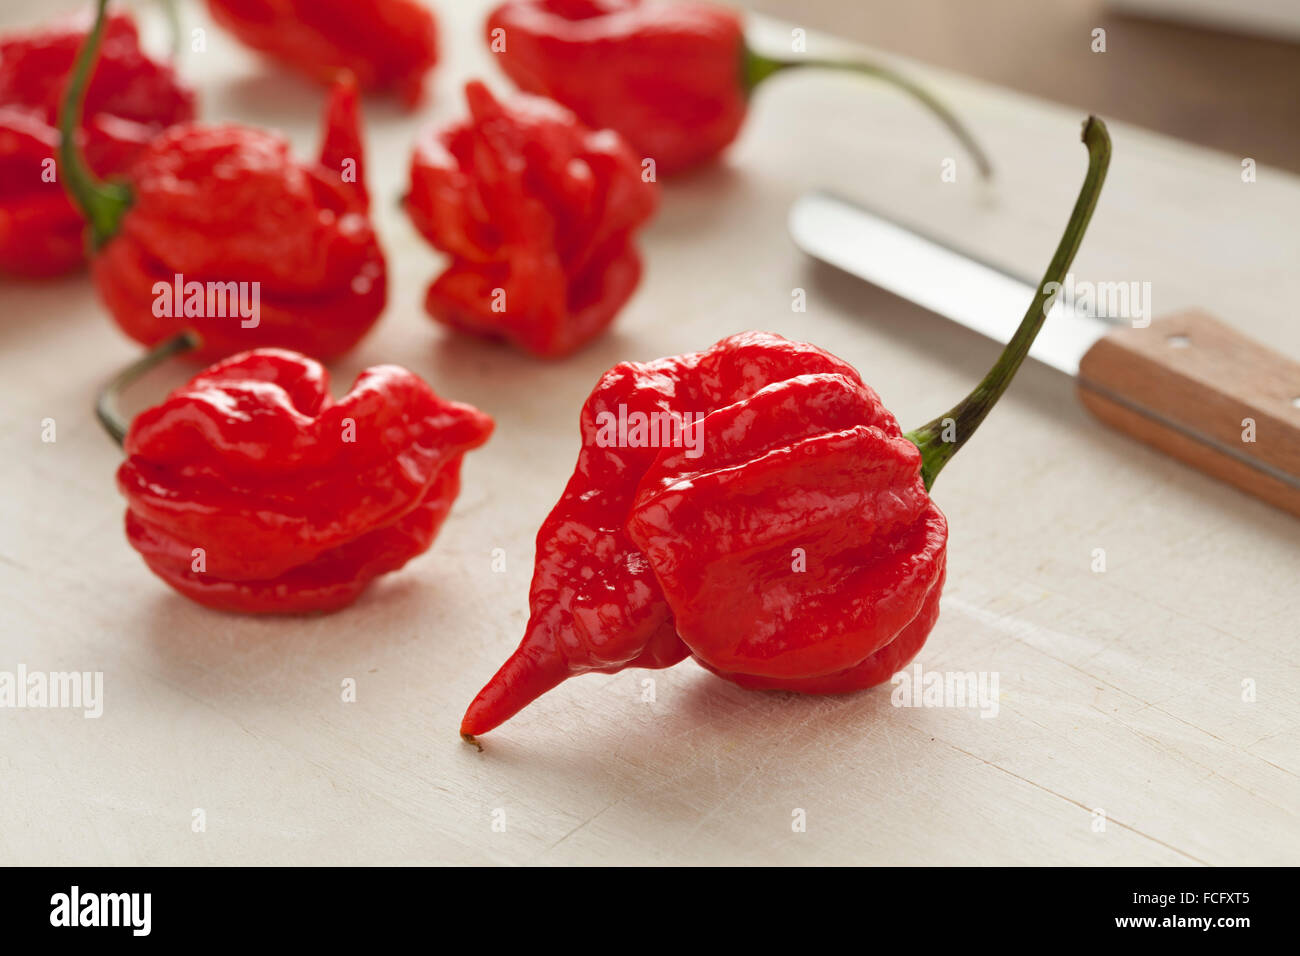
(756, 507)
(537, 213)
(130, 99)
(250, 489)
(220, 230)
(385, 44)
(673, 78)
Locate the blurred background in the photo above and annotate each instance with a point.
(1221, 73)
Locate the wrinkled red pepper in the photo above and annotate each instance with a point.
(651, 556)
(220, 230)
(130, 99)
(673, 78)
(756, 507)
(250, 489)
(538, 214)
(385, 44)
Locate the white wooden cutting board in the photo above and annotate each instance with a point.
(1121, 692)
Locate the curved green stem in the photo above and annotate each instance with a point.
(940, 439)
(173, 16)
(758, 67)
(103, 204)
(106, 408)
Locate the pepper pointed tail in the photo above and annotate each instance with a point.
(342, 149)
(530, 672)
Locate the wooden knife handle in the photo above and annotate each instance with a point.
(1191, 386)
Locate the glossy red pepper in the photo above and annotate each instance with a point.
(756, 507)
(385, 44)
(538, 214)
(130, 99)
(673, 78)
(220, 230)
(250, 489)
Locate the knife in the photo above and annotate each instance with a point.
(1186, 383)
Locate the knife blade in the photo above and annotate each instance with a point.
(937, 277)
(1186, 384)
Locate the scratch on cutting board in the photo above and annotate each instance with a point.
(1183, 615)
(1196, 727)
(327, 770)
(5, 559)
(1081, 806)
(1040, 638)
(1162, 744)
(1289, 773)
(1250, 749)
(591, 819)
(1033, 634)
(772, 753)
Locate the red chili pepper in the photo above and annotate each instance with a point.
(538, 213)
(385, 44)
(673, 78)
(250, 489)
(131, 98)
(219, 229)
(756, 507)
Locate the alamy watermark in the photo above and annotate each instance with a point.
(661, 429)
(209, 300)
(1130, 301)
(22, 689)
(128, 910)
(921, 688)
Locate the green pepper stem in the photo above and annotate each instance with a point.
(106, 408)
(103, 204)
(940, 439)
(758, 68)
(173, 16)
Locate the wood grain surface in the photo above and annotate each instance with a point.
(1156, 695)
